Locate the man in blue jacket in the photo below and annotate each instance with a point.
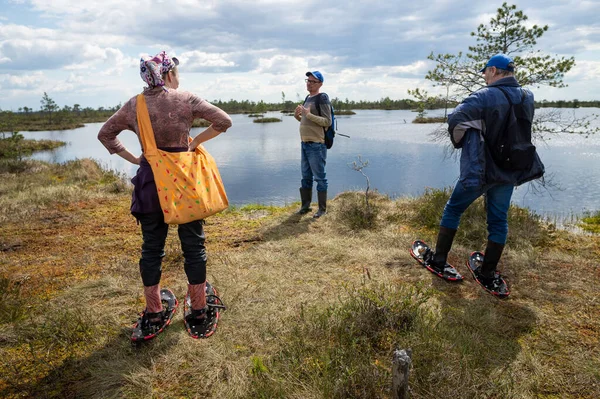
(480, 118)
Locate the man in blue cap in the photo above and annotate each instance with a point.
(476, 123)
(314, 117)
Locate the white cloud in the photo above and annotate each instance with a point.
(24, 48)
(585, 71)
(22, 82)
(281, 64)
(255, 50)
(200, 60)
(103, 61)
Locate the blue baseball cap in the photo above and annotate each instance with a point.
(500, 61)
(316, 74)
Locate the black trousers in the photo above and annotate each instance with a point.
(154, 233)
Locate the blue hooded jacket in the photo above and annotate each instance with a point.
(480, 115)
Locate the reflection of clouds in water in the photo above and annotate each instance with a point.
(261, 162)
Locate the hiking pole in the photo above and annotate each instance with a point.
(341, 134)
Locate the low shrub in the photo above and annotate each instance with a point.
(344, 350)
(266, 120)
(352, 210)
(430, 119)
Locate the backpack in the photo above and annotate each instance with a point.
(329, 131)
(512, 148)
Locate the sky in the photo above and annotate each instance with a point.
(87, 52)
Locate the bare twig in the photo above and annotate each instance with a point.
(358, 166)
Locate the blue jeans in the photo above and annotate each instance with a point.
(498, 202)
(312, 163)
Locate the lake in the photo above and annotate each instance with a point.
(260, 163)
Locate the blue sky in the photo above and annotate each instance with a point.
(87, 52)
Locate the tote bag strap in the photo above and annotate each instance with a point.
(145, 127)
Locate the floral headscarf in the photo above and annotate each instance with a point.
(152, 68)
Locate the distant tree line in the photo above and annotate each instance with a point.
(246, 106)
(568, 104)
(52, 117)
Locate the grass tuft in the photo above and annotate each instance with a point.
(32, 186)
(590, 222)
(352, 210)
(344, 349)
(12, 305)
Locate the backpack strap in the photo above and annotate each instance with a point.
(318, 106)
(506, 118)
(318, 103)
(508, 97)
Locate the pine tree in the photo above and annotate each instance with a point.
(48, 106)
(506, 33)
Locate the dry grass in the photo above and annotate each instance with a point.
(316, 308)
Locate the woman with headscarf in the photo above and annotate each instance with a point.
(171, 114)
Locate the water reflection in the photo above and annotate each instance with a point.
(260, 163)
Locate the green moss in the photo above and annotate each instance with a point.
(591, 222)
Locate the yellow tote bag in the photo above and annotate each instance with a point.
(188, 183)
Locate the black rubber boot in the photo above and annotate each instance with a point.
(322, 197)
(306, 198)
(442, 248)
(492, 255)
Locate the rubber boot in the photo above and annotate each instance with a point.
(442, 248)
(322, 197)
(491, 257)
(306, 198)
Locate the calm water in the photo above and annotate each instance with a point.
(260, 163)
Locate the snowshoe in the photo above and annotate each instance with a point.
(205, 326)
(423, 254)
(495, 286)
(145, 328)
